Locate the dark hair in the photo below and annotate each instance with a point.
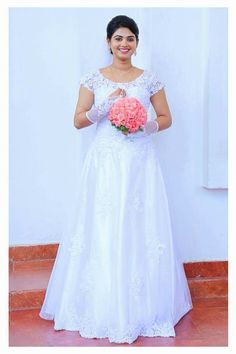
(122, 21)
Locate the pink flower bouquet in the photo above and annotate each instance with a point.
(128, 115)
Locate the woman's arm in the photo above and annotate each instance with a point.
(162, 110)
(85, 102)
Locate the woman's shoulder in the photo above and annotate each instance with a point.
(89, 79)
(90, 74)
(151, 74)
(153, 81)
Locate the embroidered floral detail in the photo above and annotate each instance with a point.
(164, 329)
(148, 80)
(86, 327)
(112, 151)
(88, 81)
(137, 203)
(155, 249)
(137, 285)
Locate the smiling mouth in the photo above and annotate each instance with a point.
(124, 50)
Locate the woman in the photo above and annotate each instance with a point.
(117, 275)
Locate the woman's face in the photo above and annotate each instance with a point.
(123, 43)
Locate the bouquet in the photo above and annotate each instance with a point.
(128, 115)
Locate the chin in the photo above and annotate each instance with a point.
(124, 56)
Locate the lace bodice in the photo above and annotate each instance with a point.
(142, 88)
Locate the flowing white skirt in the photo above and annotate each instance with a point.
(117, 274)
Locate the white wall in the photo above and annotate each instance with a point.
(50, 48)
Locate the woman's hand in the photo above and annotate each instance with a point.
(150, 127)
(118, 93)
(96, 113)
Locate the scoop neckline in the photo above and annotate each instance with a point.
(127, 82)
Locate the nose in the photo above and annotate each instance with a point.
(124, 42)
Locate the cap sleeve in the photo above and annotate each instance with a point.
(87, 81)
(155, 85)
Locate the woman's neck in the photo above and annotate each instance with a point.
(121, 65)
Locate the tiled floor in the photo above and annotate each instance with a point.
(204, 325)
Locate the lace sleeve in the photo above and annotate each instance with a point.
(155, 85)
(87, 82)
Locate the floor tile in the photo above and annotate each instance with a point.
(205, 325)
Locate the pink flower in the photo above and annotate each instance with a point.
(128, 115)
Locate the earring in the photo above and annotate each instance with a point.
(135, 53)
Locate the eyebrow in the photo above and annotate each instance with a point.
(118, 35)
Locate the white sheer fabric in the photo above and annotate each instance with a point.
(96, 113)
(117, 274)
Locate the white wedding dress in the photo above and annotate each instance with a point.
(117, 274)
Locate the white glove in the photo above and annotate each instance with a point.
(149, 128)
(96, 113)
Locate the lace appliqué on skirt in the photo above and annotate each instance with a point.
(88, 329)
